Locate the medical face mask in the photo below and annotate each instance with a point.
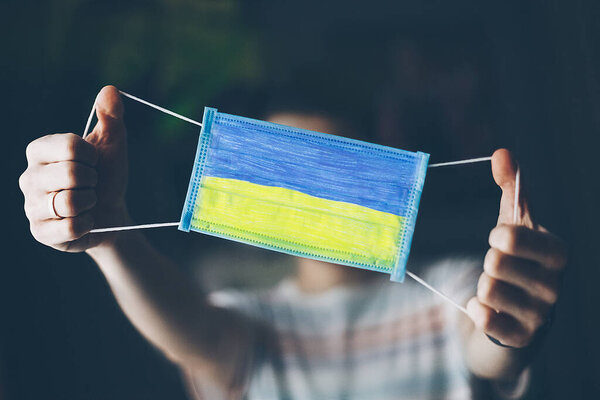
(304, 193)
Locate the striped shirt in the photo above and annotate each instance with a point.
(378, 340)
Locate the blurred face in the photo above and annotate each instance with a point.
(311, 122)
(319, 275)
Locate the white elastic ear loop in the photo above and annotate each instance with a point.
(516, 221)
(516, 207)
(434, 290)
(469, 161)
(89, 120)
(133, 227)
(91, 116)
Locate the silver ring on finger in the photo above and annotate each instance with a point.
(52, 207)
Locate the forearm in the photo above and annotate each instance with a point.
(167, 308)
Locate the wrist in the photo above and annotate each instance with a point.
(109, 242)
(122, 254)
(489, 361)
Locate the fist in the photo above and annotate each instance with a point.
(522, 268)
(73, 184)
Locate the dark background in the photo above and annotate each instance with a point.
(455, 79)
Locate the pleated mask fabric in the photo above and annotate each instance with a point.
(305, 193)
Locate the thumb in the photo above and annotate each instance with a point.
(504, 171)
(110, 128)
(109, 138)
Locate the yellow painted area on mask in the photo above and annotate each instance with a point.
(297, 223)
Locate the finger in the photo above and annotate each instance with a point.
(498, 325)
(505, 298)
(52, 232)
(66, 203)
(504, 171)
(61, 147)
(110, 128)
(535, 245)
(530, 276)
(66, 175)
(70, 203)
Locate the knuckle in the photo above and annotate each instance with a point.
(70, 142)
(487, 322)
(547, 292)
(30, 149)
(24, 181)
(27, 207)
(521, 340)
(493, 263)
(486, 289)
(502, 237)
(34, 228)
(532, 323)
(552, 296)
(511, 239)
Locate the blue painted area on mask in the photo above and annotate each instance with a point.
(321, 165)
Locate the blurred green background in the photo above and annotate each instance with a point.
(456, 79)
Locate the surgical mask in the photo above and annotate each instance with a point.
(304, 193)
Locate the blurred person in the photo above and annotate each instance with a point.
(328, 332)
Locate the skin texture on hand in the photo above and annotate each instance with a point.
(87, 179)
(519, 284)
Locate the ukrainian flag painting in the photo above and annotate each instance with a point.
(305, 193)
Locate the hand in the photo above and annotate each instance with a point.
(87, 179)
(522, 268)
